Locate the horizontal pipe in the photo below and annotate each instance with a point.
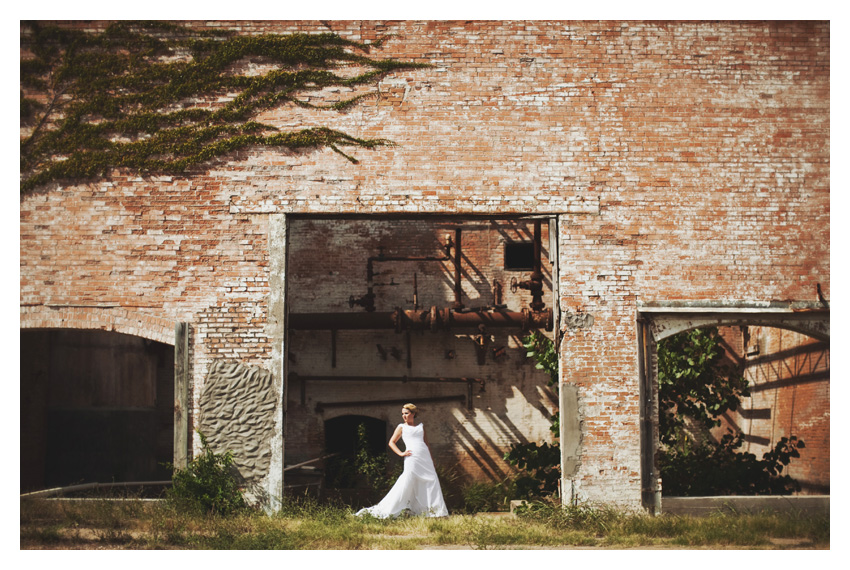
(434, 320)
(321, 406)
(296, 376)
(88, 486)
(403, 379)
(303, 463)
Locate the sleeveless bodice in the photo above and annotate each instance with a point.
(413, 436)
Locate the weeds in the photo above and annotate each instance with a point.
(208, 484)
(305, 523)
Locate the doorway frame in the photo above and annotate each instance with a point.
(658, 321)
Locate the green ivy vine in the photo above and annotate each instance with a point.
(137, 96)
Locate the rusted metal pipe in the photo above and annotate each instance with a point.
(435, 319)
(96, 486)
(303, 463)
(367, 301)
(322, 406)
(458, 283)
(535, 282)
(294, 376)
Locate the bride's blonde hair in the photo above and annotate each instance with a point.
(413, 409)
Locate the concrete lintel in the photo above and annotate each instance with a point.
(732, 307)
(665, 323)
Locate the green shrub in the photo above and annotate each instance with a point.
(488, 497)
(208, 483)
(374, 469)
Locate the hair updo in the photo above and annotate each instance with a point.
(413, 409)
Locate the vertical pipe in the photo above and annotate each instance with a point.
(538, 271)
(458, 252)
(415, 293)
(537, 303)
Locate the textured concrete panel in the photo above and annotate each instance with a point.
(237, 414)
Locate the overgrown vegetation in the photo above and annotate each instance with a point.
(208, 484)
(155, 97)
(304, 523)
(695, 388)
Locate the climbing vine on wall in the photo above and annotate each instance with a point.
(154, 97)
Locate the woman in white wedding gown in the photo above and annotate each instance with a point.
(418, 488)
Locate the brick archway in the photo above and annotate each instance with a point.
(114, 319)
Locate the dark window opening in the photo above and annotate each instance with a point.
(341, 438)
(519, 256)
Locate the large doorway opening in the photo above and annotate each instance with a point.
(429, 310)
(774, 365)
(96, 407)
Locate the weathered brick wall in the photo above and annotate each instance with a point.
(687, 162)
(789, 382)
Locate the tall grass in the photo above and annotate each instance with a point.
(304, 523)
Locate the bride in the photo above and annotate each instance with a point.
(418, 488)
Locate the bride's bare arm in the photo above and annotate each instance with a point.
(394, 447)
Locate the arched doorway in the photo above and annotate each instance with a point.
(96, 407)
(342, 438)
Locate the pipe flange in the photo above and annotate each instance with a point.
(446, 317)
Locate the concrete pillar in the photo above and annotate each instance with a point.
(277, 325)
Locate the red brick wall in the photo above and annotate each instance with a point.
(688, 162)
(789, 380)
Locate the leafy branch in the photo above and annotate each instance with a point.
(694, 384)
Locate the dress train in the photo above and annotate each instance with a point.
(418, 488)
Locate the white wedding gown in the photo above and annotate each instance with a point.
(418, 488)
